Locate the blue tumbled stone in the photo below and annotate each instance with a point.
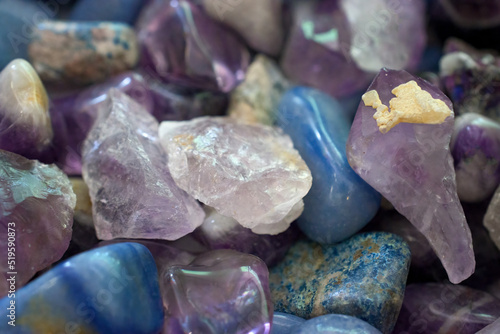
(284, 323)
(125, 11)
(335, 324)
(339, 203)
(363, 277)
(113, 289)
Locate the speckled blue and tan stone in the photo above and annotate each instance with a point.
(364, 277)
(82, 52)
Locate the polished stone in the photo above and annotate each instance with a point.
(335, 324)
(284, 323)
(113, 289)
(363, 277)
(339, 203)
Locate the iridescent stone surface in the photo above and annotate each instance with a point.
(284, 323)
(475, 146)
(363, 277)
(251, 173)
(82, 52)
(133, 194)
(340, 55)
(334, 324)
(445, 308)
(25, 126)
(113, 289)
(259, 22)
(221, 232)
(238, 300)
(256, 99)
(181, 44)
(339, 203)
(404, 154)
(492, 218)
(111, 10)
(36, 211)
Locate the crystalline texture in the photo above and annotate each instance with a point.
(410, 164)
(132, 192)
(251, 173)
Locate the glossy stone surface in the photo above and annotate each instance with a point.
(256, 99)
(445, 308)
(238, 300)
(492, 218)
(82, 53)
(125, 11)
(125, 168)
(334, 324)
(25, 126)
(221, 232)
(251, 173)
(411, 165)
(284, 323)
(36, 209)
(339, 203)
(105, 290)
(475, 146)
(363, 277)
(259, 22)
(343, 54)
(182, 45)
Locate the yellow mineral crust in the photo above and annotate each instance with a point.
(411, 105)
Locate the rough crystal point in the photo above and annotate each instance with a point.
(82, 52)
(25, 126)
(36, 203)
(181, 44)
(112, 290)
(133, 194)
(411, 166)
(221, 291)
(475, 146)
(251, 173)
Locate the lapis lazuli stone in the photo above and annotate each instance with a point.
(113, 289)
(284, 323)
(339, 203)
(334, 324)
(125, 11)
(364, 277)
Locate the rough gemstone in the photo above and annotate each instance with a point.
(340, 203)
(334, 324)
(251, 173)
(37, 204)
(125, 11)
(106, 290)
(221, 232)
(363, 277)
(492, 218)
(238, 300)
(256, 99)
(259, 22)
(82, 52)
(475, 146)
(410, 163)
(132, 191)
(343, 54)
(284, 323)
(25, 126)
(445, 308)
(181, 44)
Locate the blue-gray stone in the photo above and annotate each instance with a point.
(284, 323)
(339, 203)
(109, 10)
(363, 277)
(335, 324)
(113, 289)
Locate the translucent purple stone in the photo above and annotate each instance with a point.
(133, 194)
(411, 165)
(183, 45)
(36, 210)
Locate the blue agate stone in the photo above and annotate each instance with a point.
(284, 323)
(113, 289)
(364, 277)
(125, 11)
(335, 324)
(339, 203)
